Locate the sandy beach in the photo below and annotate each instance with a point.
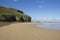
(27, 31)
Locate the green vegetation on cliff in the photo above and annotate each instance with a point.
(11, 11)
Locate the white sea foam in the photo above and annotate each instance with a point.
(49, 25)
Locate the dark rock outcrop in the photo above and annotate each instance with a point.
(9, 18)
(29, 19)
(20, 11)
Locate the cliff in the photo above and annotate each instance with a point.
(6, 12)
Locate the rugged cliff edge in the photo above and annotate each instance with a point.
(12, 14)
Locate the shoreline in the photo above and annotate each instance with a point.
(27, 31)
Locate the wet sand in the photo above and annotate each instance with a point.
(27, 31)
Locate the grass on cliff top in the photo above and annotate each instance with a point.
(11, 11)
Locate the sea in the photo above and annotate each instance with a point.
(49, 25)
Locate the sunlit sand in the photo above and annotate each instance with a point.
(27, 31)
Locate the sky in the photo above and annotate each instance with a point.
(38, 9)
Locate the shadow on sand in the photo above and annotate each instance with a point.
(5, 23)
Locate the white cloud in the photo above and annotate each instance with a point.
(42, 6)
(41, 3)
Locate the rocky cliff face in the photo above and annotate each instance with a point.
(10, 14)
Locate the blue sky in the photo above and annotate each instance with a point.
(37, 9)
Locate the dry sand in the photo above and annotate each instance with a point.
(27, 31)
